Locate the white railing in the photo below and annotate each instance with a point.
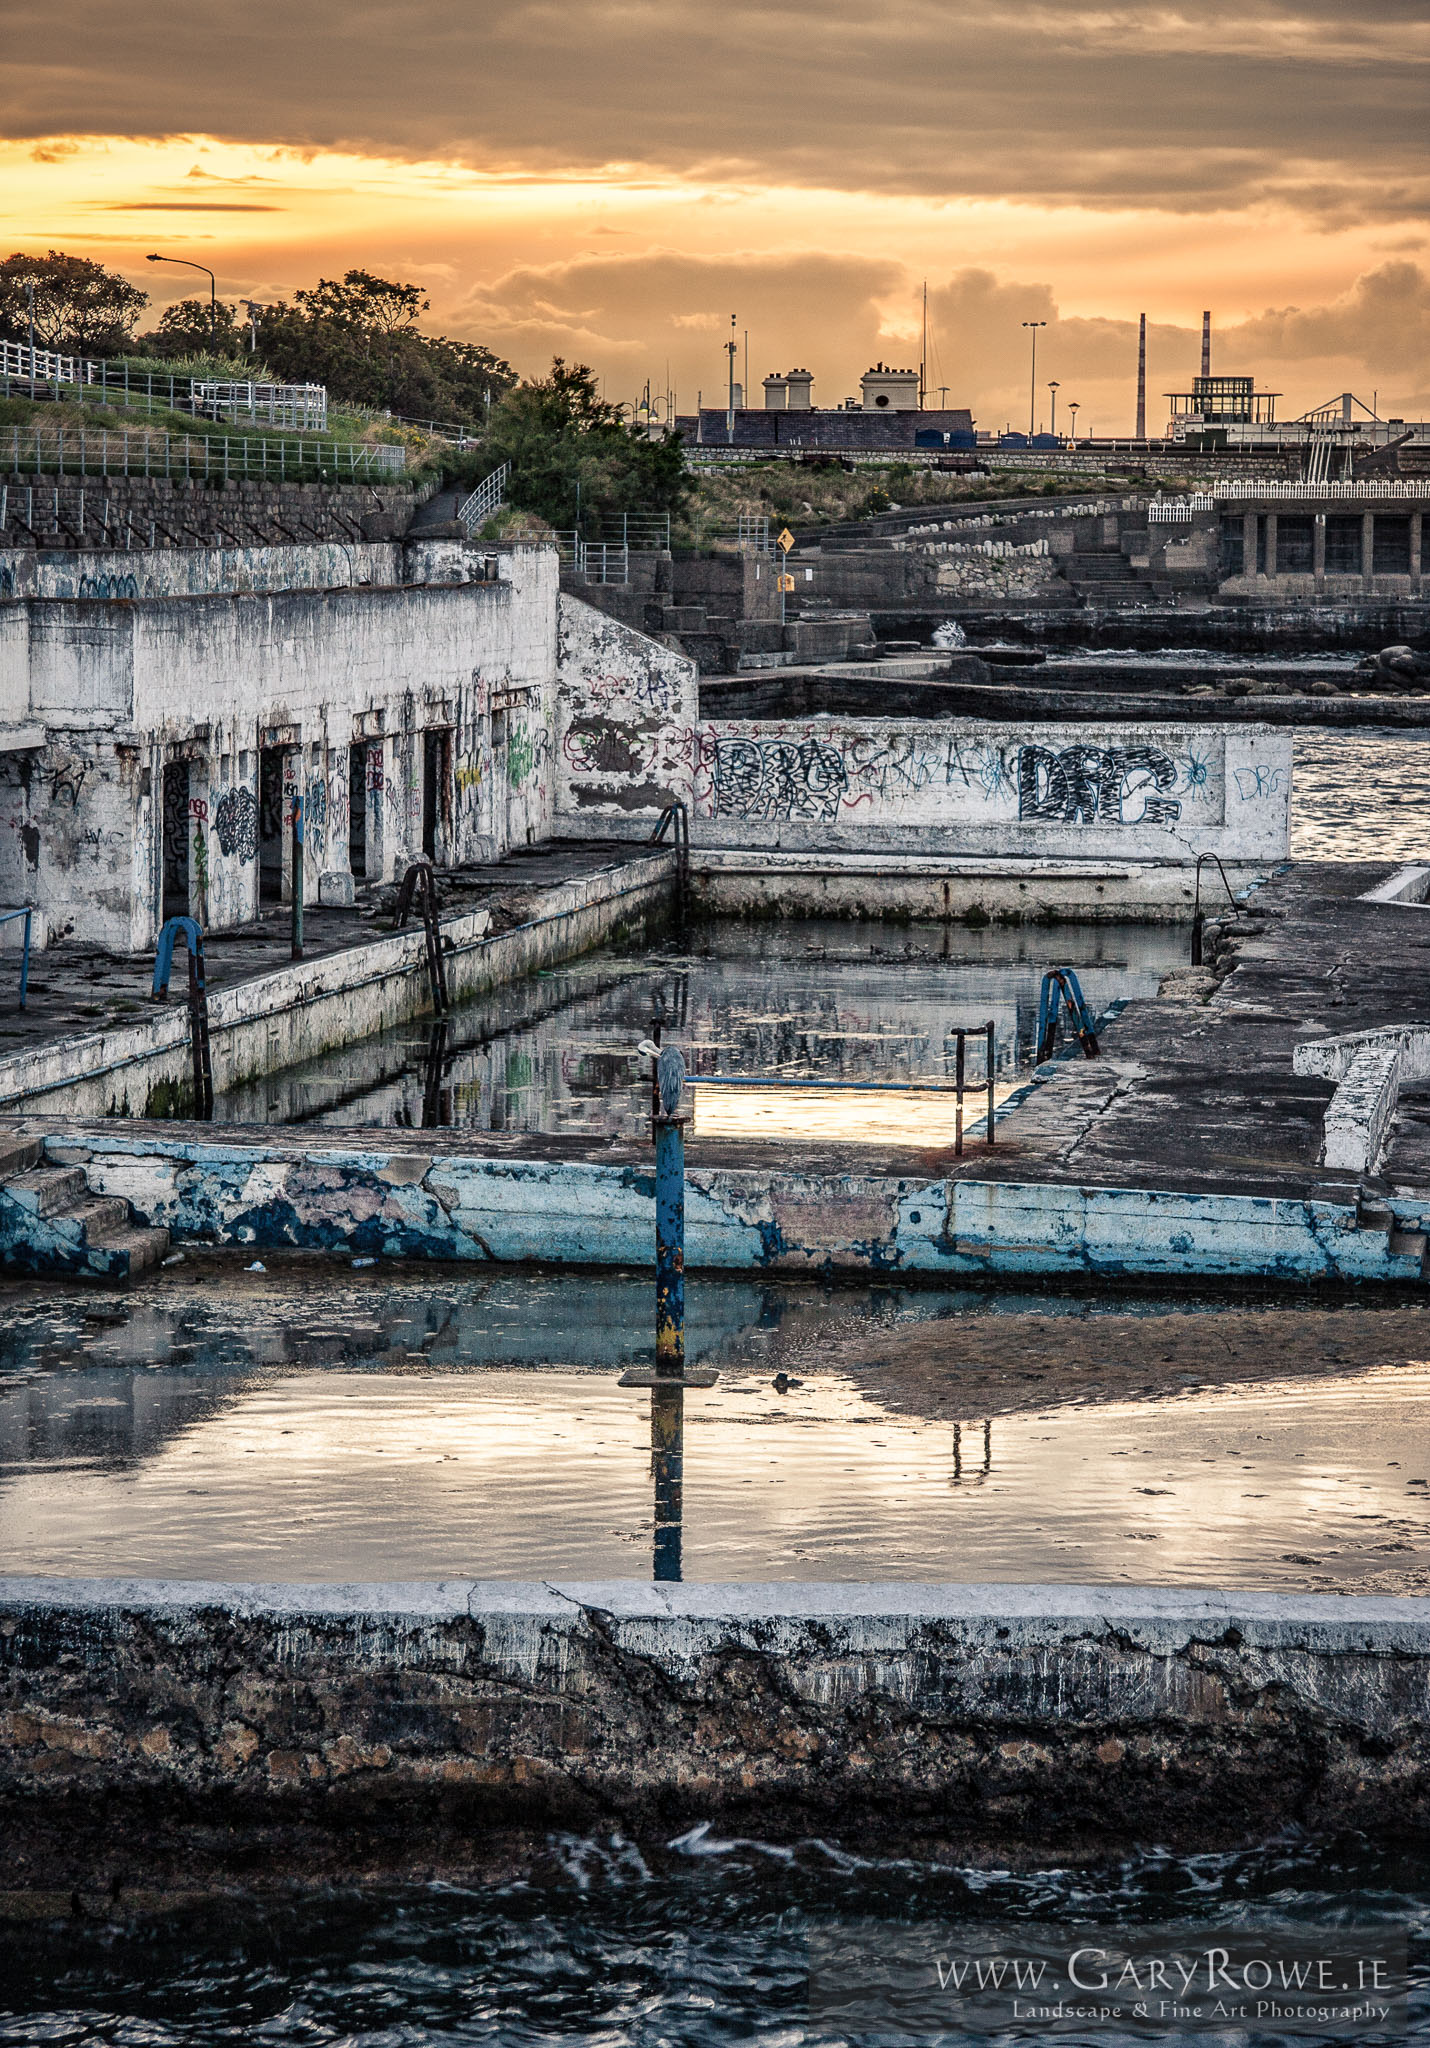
(598, 561)
(139, 451)
(485, 501)
(303, 407)
(1176, 511)
(1278, 487)
(18, 359)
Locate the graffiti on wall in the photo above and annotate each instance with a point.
(808, 776)
(528, 749)
(777, 778)
(236, 825)
(1097, 785)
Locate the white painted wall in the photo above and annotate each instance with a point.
(126, 687)
(1154, 793)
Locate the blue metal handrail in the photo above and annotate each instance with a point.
(1061, 986)
(188, 929)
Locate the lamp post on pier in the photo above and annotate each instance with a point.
(1053, 422)
(189, 264)
(1034, 325)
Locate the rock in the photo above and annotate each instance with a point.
(1237, 686)
(1266, 686)
(1322, 688)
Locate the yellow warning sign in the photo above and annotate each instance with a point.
(784, 583)
(785, 540)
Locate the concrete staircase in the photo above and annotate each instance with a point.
(50, 1224)
(1105, 576)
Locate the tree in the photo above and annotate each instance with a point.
(80, 307)
(189, 328)
(574, 460)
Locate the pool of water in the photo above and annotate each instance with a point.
(477, 1429)
(835, 999)
(696, 1942)
(1360, 795)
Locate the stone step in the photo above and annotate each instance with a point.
(1407, 1244)
(48, 1190)
(99, 1217)
(18, 1155)
(142, 1244)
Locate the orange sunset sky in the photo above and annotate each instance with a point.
(611, 179)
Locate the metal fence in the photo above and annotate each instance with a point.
(485, 501)
(598, 561)
(24, 371)
(1352, 492)
(303, 407)
(54, 451)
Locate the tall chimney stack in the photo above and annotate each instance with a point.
(1206, 344)
(1142, 379)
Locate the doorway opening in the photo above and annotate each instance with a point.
(436, 751)
(357, 812)
(175, 890)
(270, 824)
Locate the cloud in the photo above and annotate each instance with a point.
(1110, 106)
(630, 314)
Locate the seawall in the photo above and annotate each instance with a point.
(262, 1731)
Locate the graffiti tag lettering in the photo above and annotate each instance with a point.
(1097, 785)
(778, 778)
(236, 825)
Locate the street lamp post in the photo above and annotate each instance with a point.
(188, 264)
(1033, 381)
(1053, 423)
(1072, 408)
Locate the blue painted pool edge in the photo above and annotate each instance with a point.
(411, 1203)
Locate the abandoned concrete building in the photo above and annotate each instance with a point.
(161, 710)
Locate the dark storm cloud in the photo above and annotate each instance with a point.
(1187, 110)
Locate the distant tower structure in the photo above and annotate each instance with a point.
(1206, 344)
(1142, 378)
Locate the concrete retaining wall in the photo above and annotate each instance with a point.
(1124, 791)
(772, 884)
(341, 1727)
(444, 1203)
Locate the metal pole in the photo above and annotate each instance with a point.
(990, 1057)
(1033, 326)
(297, 875)
(958, 1098)
(30, 294)
(670, 1247)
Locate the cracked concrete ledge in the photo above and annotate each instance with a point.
(386, 1729)
(267, 1193)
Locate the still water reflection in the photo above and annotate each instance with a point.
(415, 1470)
(848, 1000)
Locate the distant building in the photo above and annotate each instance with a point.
(791, 392)
(889, 390)
(1221, 408)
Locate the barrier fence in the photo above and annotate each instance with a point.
(218, 457)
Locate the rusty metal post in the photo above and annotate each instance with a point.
(991, 1056)
(297, 874)
(670, 1247)
(958, 1098)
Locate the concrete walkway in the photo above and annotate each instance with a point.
(77, 989)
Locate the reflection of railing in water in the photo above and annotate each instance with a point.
(985, 1468)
